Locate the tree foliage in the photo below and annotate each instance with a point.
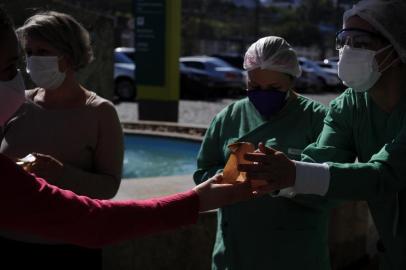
(222, 19)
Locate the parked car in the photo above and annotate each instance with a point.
(329, 67)
(327, 78)
(308, 82)
(124, 74)
(129, 51)
(234, 59)
(332, 64)
(194, 83)
(331, 60)
(223, 78)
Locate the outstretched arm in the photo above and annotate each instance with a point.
(31, 205)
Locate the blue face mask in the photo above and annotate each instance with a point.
(267, 102)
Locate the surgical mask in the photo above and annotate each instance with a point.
(267, 102)
(44, 71)
(12, 96)
(359, 69)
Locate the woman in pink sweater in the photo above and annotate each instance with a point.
(77, 138)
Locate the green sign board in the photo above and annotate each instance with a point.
(150, 16)
(157, 44)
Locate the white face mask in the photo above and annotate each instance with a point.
(358, 68)
(44, 71)
(12, 96)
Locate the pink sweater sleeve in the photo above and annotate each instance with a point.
(31, 205)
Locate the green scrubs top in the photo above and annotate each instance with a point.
(356, 127)
(267, 233)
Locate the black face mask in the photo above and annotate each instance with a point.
(267, 102)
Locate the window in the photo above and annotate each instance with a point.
(122, 58)
(194, 64)
(130, 55)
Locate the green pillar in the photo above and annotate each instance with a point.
(157, 45)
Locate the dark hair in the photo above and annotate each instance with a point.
(5, 21)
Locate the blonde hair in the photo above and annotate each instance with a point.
(63, 33)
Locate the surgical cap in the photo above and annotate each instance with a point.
(272, 53)
(388, 17)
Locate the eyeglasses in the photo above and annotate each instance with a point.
(357, 38)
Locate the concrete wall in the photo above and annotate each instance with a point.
(184, 249)
(98, 76)
(352, 236)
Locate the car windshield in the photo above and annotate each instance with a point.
(194, 64)
(218, 63)
(130, 55)
(325, 65)
(122, 58)
(235, 61)
(307, 64)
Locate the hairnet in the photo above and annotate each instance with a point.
(388, 17)
(272, 53)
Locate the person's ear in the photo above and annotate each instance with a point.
(65, 64)
(291, 81)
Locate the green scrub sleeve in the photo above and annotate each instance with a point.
(385, 173)
(209, 160)
(335, 143)
(315, 201)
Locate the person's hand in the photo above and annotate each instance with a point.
(269, 165)
(46, 167)
(214, 195)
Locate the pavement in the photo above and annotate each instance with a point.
(152, 187)
(200, 112)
